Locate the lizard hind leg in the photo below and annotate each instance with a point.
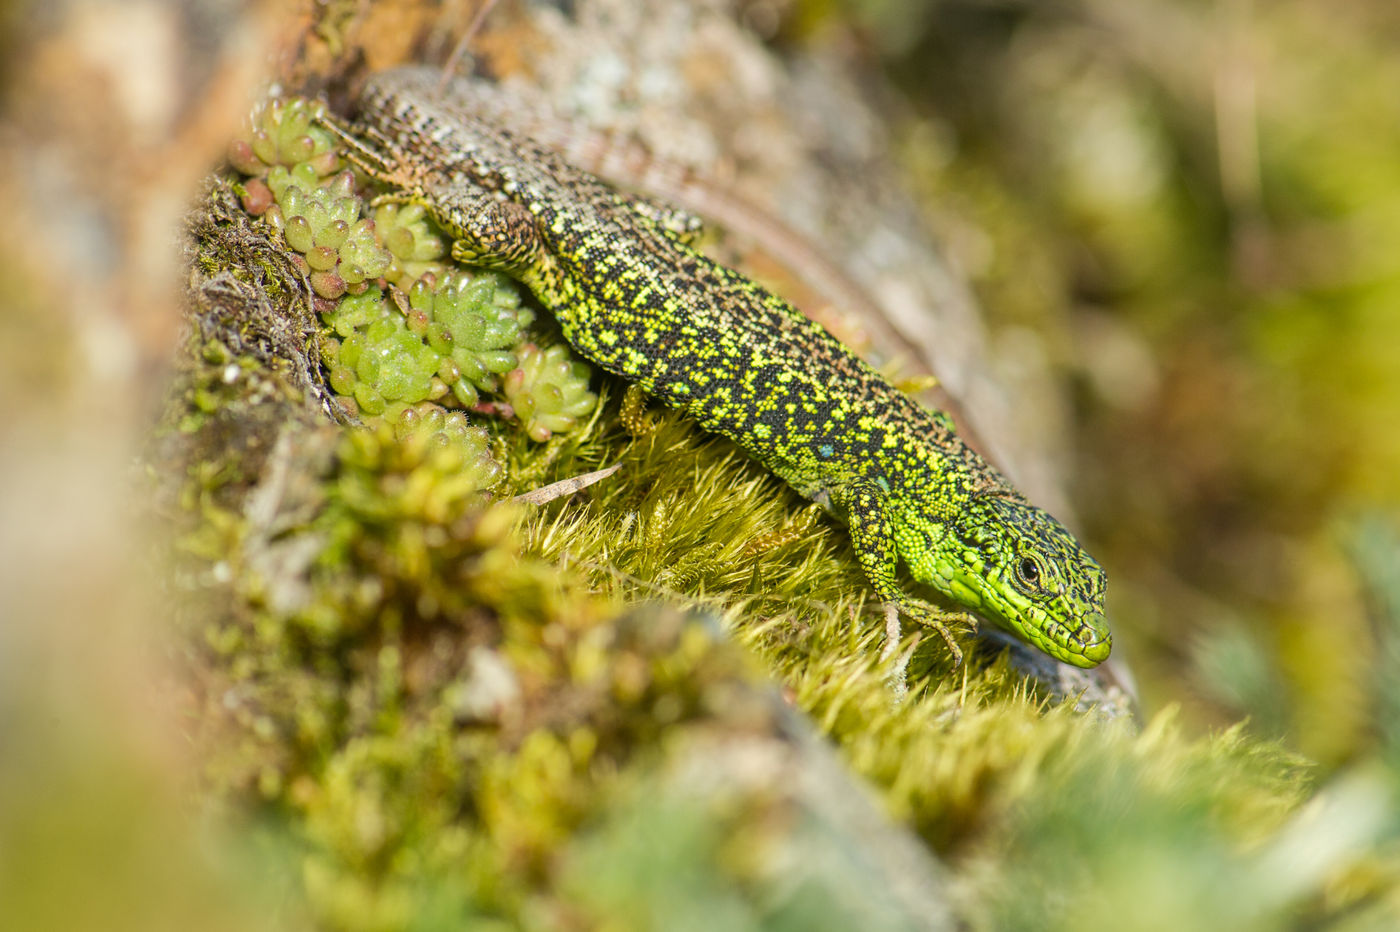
(633, 415)
(676, 222)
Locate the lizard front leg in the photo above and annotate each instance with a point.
(373, 153)
(877, 551)
(679, 224)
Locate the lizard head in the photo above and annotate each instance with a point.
(1017, 566)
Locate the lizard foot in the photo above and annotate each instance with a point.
(938, 620)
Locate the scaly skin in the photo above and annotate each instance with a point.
(632, 296)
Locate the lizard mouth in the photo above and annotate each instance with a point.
(1097, 652)
(1085, 645)
(1091, 643)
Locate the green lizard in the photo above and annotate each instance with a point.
(632, 295)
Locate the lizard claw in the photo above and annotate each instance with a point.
(931, 617)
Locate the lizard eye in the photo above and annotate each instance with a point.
(1030, 572)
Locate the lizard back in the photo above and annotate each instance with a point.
(634, 298)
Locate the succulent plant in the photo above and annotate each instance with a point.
(548, 390)
(473, 323)
(321, 220)
(378, 361)
(284, 132)
(444, 341)
(405, 232)
(446, 336)
(476, 465)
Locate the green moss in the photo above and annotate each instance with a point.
(433, 710)
(469, 711)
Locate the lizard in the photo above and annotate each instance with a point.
(632, 293)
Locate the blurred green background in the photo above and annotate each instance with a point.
(1194, 207)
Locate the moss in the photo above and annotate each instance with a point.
(464, 710)
(433, 710)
